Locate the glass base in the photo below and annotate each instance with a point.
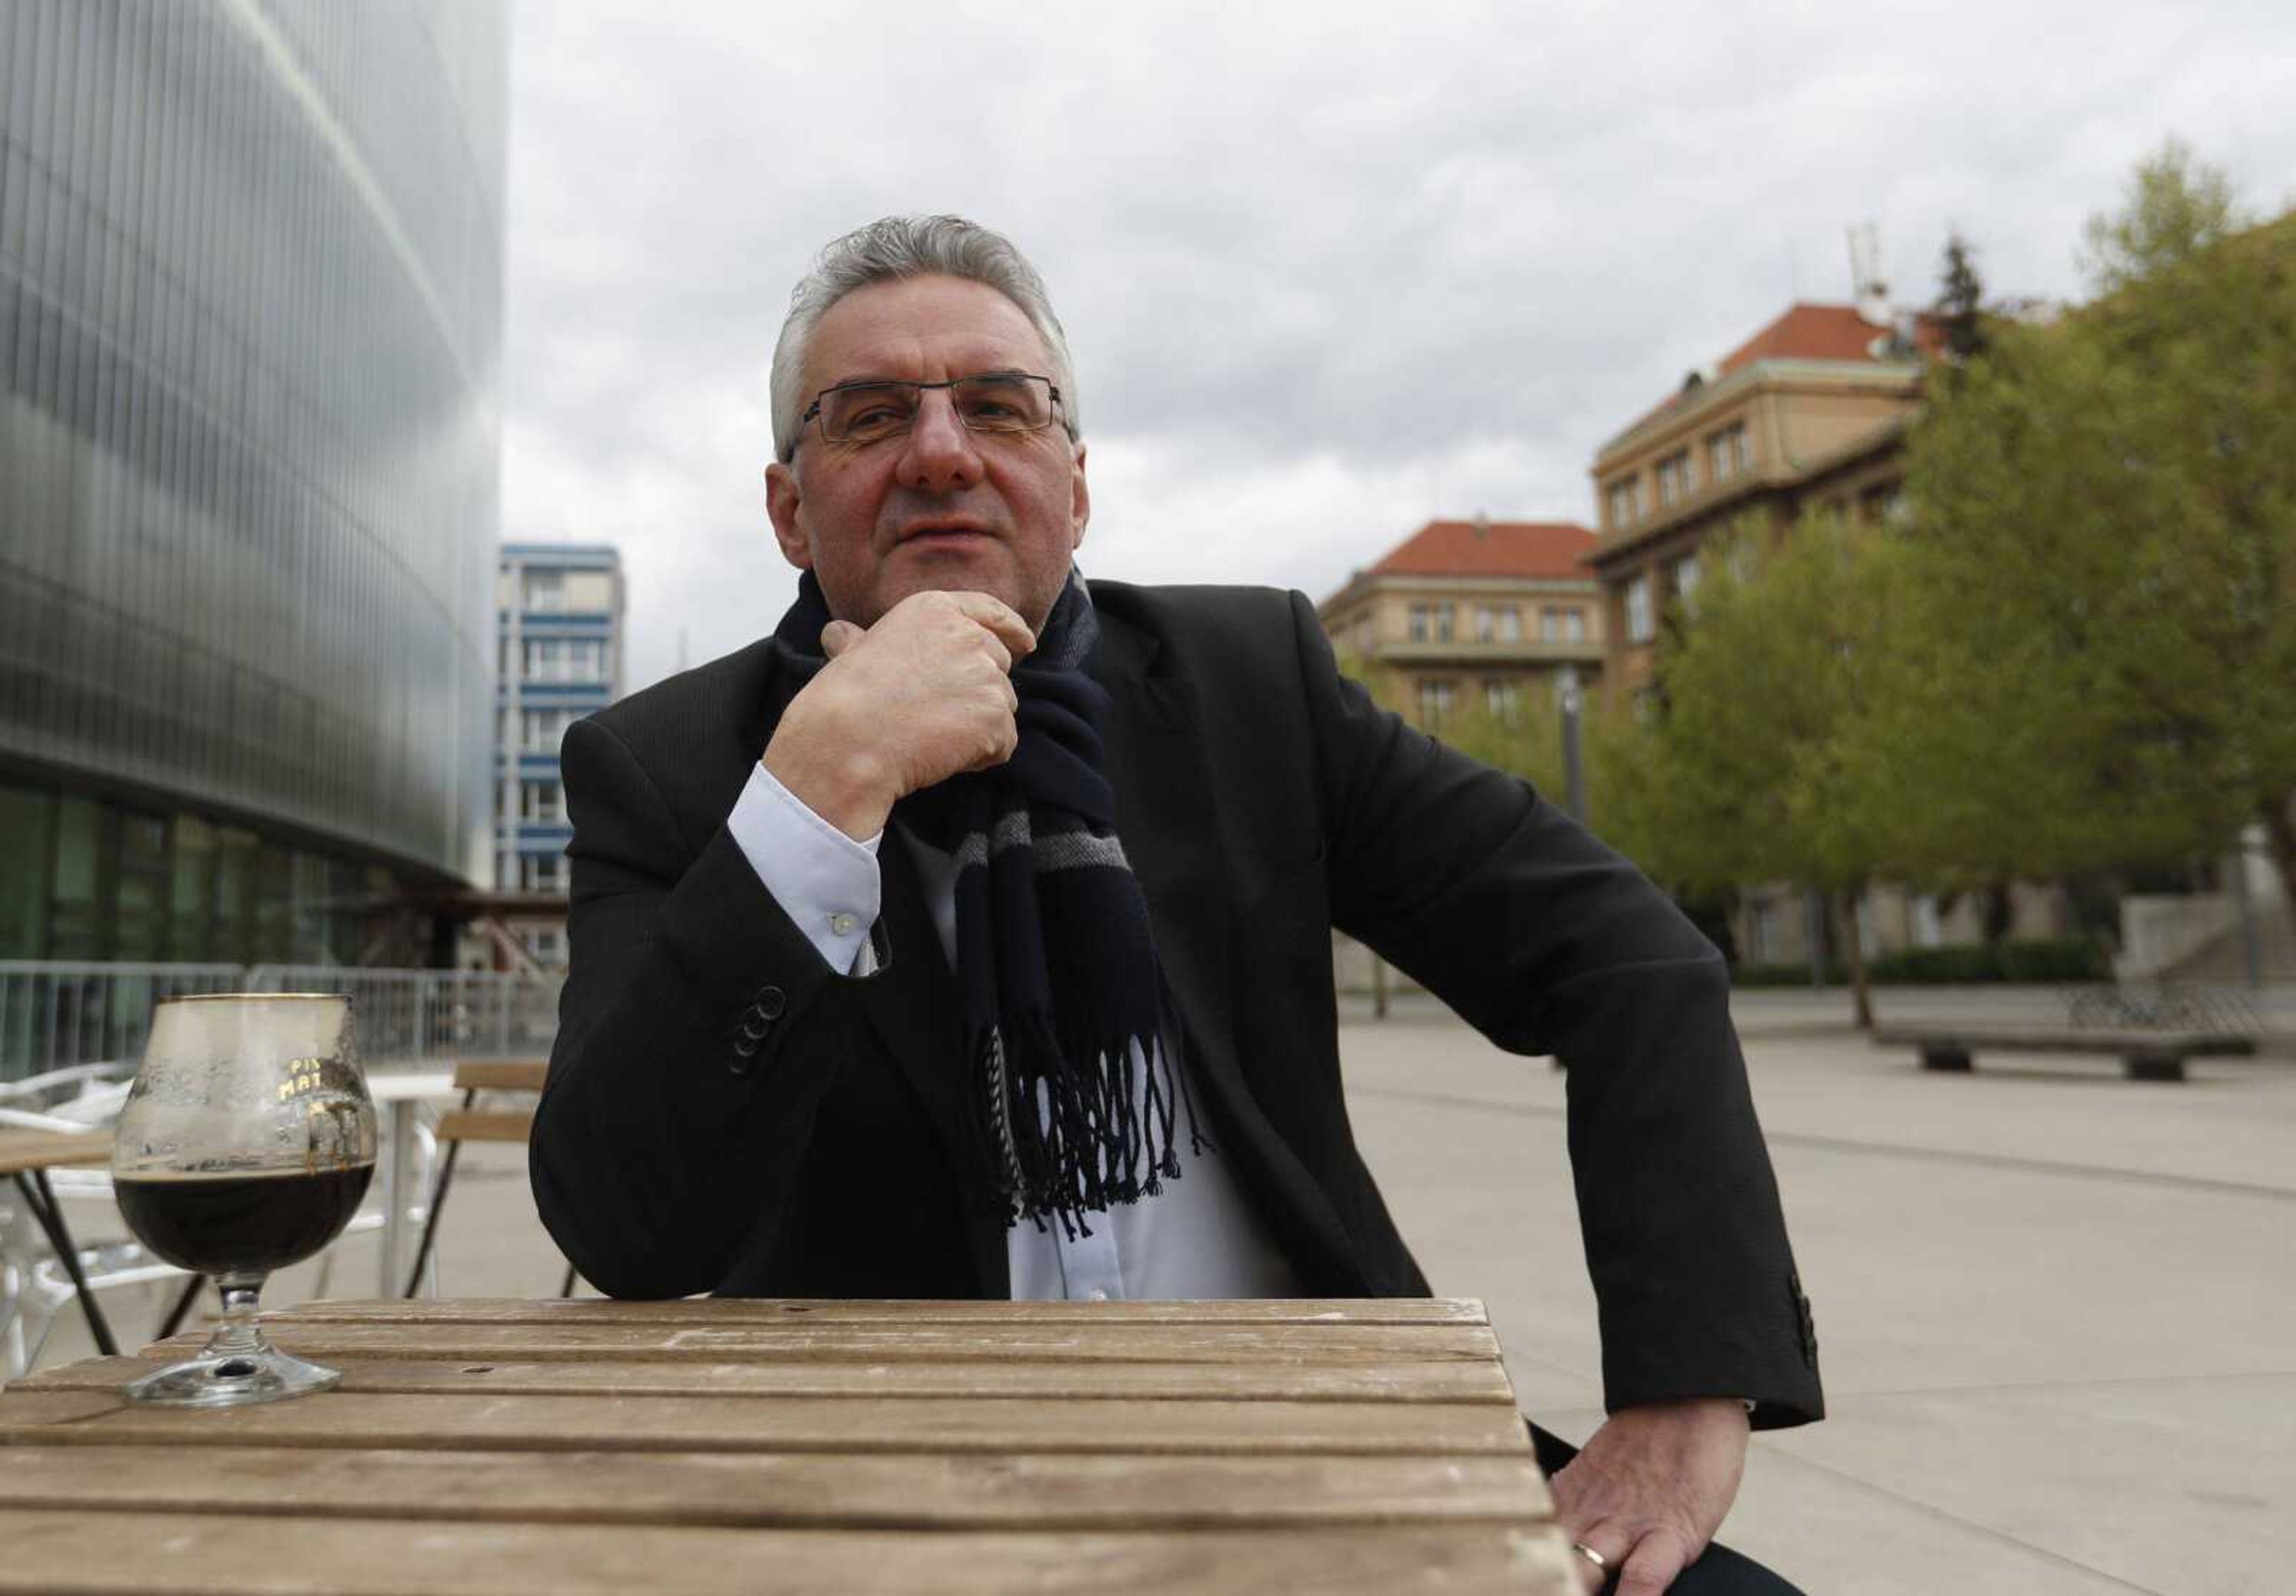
(265, 1374)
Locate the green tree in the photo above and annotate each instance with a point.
(1754, 762)
(1961, 301)
(2106, 557)
(2174, 211)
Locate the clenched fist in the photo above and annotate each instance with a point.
(922, 695)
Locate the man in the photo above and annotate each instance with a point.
(970, 936)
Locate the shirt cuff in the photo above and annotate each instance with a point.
(824, 881)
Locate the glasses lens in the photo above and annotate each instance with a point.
(1003, 403)
(868, 411)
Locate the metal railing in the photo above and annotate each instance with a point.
(55, 1015)
(430, 1014)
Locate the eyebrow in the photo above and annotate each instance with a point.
(998, 370)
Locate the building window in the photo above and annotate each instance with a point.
(1364, 637)
(542, 872)
(1498, 623)
(1510, 624)
(1487, 624)
(1762, 932)
(1444, 616)
(1640, 627)
(544, 801)
(1728, 454)
(1686, 577)
(545, 729)
(1436, 699)
(1502, 700)
(1625, 501)
(1419, 623)
(1676, 478)
(545, 590)
(566, 659)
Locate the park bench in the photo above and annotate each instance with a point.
(2147, 1054)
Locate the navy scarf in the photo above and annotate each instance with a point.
(1065, 1004)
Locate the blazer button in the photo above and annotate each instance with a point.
(754, 1028)
(771, 1002)
(745, 1056)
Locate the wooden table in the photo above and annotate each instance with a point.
(29, 1155)
(804, 1446)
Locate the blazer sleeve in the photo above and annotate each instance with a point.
(675, 1112)
(1549, 942)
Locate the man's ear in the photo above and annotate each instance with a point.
(780, 504)
(1080, 499)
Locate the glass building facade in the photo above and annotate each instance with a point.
(251, 308)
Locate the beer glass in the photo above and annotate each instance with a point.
(245, 1146)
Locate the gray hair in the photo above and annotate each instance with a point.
(911, 246)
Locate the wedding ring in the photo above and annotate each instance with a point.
(1592, 1556)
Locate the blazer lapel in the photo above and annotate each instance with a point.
(913, 1006)
(1158, 763)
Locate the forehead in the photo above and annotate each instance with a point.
(921, 328)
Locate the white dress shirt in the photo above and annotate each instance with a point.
(1200, 1237)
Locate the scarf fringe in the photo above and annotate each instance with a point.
(1073, 1125)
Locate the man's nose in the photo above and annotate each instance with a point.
(939, 454)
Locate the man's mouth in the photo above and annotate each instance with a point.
(944, 533)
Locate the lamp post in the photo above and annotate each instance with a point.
(1574, 771)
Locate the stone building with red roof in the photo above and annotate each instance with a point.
(1811, 410)
(1473, 614)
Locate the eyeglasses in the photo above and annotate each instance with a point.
(875, 412)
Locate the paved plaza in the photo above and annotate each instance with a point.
(2057, 1308)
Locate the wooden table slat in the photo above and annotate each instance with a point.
(501, 1074)
(22, 1150)
(340, 1418)
(1074, 1342)
(486, 1124)
(1042, 1490)
(1443, 1380)
(198, 1554)
(1217, 1449)
(695, 1312)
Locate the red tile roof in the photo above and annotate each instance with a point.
(1808, 332)
(1826, 332)
(1552, 549)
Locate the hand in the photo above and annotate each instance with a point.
(924, 693)
(1651, 1487)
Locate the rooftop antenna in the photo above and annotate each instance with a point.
(1871, 291)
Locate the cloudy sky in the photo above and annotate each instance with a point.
(1328, 270)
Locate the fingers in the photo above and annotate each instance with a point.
(1652, 1567)
(1001, 619)
(837, 637)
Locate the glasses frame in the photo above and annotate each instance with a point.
(1056, 415)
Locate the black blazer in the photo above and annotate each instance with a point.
(726, 1113)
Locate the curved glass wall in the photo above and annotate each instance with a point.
(250, 306)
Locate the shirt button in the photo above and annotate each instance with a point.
(1099, 1295)
(843, 924)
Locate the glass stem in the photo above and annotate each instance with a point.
(238, 1336)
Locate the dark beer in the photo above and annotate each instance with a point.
(217, 1222)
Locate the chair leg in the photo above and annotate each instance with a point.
(42, 1201)
(437, 1203)
(566, 1286)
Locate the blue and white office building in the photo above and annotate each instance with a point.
(558, 657)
